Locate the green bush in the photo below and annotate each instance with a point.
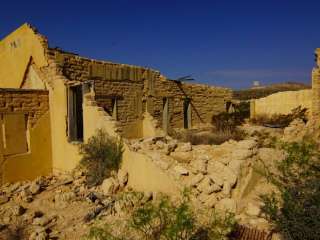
(167, 221)
(100, 156)
(295, 208)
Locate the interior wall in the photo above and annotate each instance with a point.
(37, 161)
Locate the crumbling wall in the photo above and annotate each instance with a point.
(316, 87)
(25, 142)
(138, 89)
(281, 103)
(205, 101)
(34, 103)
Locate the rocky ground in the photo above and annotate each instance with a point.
(218, 176)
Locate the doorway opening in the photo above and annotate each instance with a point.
(165, 115)
(187, 113)
(75, 113)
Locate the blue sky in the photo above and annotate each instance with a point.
(226, 43)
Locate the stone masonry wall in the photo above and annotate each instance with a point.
(137, 89)
(316, 88)
(206, 101)
(34, 103)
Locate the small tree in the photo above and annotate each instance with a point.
(100, 155)
(295, 210)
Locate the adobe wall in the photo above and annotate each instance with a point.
(206, 101)
(32, 102)
(316, 87)
(139, 89)
(281, 103)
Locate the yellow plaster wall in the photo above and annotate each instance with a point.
(281, 103)
(65, 155)
(14, 60)
(37, 161)
(144, 175)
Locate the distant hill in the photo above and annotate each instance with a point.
(263, 91)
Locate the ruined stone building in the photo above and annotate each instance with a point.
(52, 100)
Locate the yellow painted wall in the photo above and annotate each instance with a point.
(37, 161)
(281, 103)
(15, 52)
(144, 175)
(65, 155)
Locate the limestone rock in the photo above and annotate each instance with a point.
(205, 185)
(122, 177)
(247, 144)
(110, 186)
(215, 167)
(211, 201)
(229, 176)
(269, 155)
(242, 154)
(226, 205)
(41, 221)
(3, 199)
(184, 147)
(226, 190)
(34, 188)
(181, 170)
(199, 166)
(182, 156)
(235, 166)
(253, 210)
(196, 179)
(217, 178)
(164, 165)
(17, 210)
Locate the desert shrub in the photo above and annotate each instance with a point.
(100, 156)
(164, 220)
(295, 208)
(281, 120)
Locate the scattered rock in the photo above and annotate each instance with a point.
(184, 147)
(211, 201)
(253, 210)
(226, 205)
(196, 179)
(34, 188)
(217, 179)
(181, 170)
(122, 177)
(110, 186)
(205, 185)
(226, 190)
(229, 176)
(3, 199)
(185, 157)
(41, 221)
(199, 166)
